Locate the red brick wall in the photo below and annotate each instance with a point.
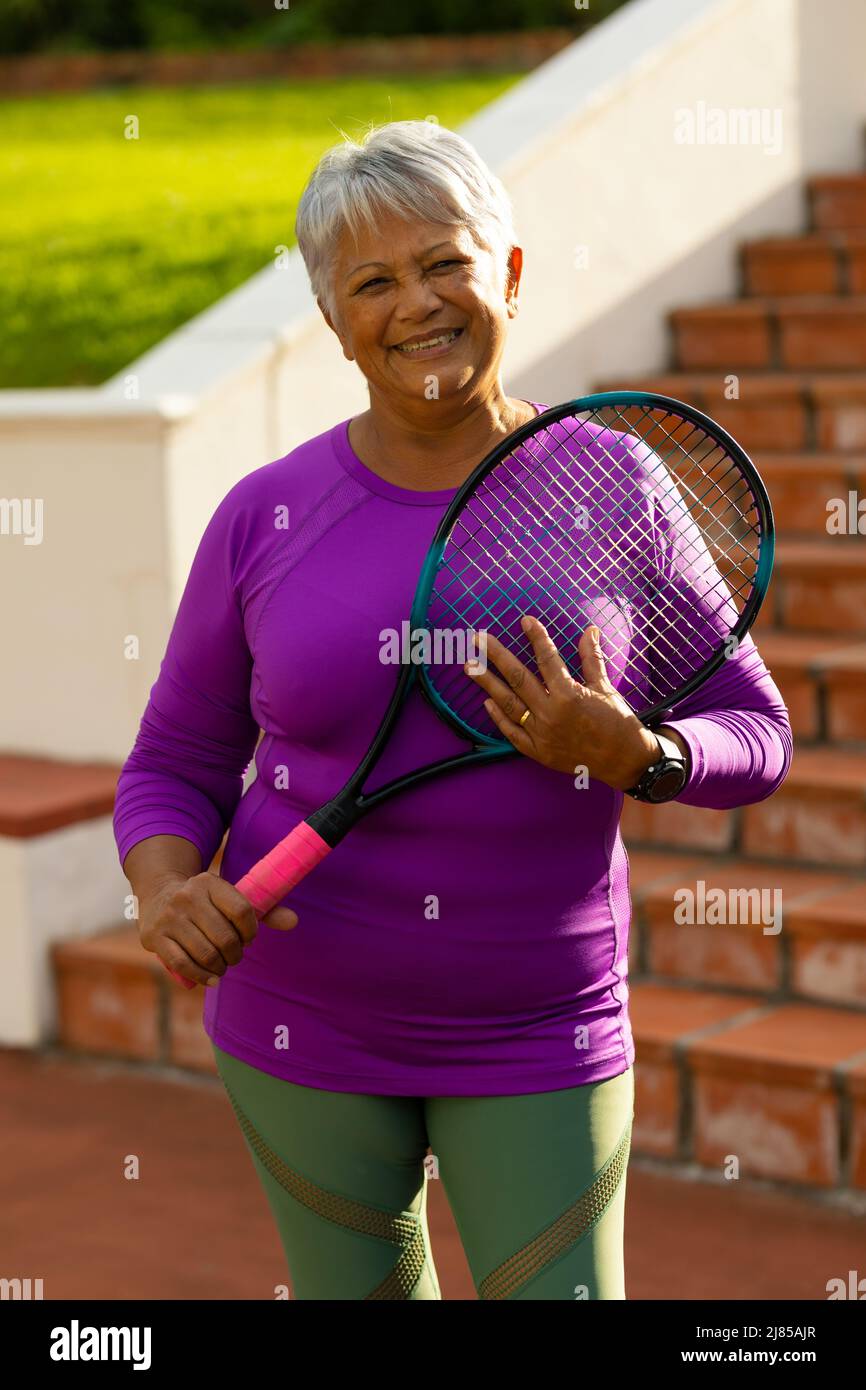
(423, 54)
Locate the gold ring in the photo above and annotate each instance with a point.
(525, 715)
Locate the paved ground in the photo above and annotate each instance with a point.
(196, 1224)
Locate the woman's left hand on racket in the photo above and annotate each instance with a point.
(571, 724)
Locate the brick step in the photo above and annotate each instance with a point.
(782, 411)
(801, 934)
(114, 999)
(811, 492)
(818, 586)
(822, 680)
(818, 263)
(817, 816)
(813, 331)
(837, 201)
(782, 1087)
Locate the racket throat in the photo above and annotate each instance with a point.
(335, 819)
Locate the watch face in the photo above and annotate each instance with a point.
(668, 784)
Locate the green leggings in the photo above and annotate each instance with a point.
(536, 1184)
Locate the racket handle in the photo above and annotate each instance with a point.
(272, 877)
(284, 867)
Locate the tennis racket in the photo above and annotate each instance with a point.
(625, 509)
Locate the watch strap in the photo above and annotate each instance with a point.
(670, 757)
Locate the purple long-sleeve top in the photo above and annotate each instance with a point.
(469, 937)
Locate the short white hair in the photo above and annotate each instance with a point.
(419, 170)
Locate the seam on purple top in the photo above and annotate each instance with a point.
(329, 512)
(311, 522)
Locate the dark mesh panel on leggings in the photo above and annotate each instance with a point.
(404, 1231)
(564, 1232)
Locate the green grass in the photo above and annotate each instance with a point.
(108, 244)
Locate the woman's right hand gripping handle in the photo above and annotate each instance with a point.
(200, 924)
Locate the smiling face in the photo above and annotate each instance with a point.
(413, 300)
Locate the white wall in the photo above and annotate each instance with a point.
(53, 887)
(100, 573)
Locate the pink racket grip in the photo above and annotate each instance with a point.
(269, 880)
(284, 867)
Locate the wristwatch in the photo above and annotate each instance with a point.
(663, 779)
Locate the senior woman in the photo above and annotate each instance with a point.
(454, 975)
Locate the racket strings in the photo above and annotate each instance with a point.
(554, 587)
(709, 526)
(516, 547)
(460, 576)
(698, 501)
(712, 530)
(565, 641)
(754, 529)
(490, 612)
(592, 564)
(487, 615)
(732, 467)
